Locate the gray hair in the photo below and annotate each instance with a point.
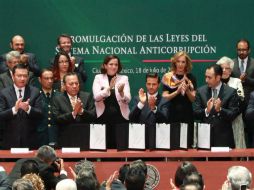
(22, 184)
(46, 154)
(12, 54)
(238, 176)
(84, 165)
(66, 184)
(226, 60)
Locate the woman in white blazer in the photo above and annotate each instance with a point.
(111, 92)
(227, 65)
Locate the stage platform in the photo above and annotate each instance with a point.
(163, 164)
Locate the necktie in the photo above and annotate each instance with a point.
(215, 95)
(48, 96)
(242, 66)
(73, 102)
(20, 93)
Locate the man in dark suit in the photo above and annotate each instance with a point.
(47, 129)
(217, 104)
(20, 109)
(47, 163)
(12, 59)
(72, 110)
(64, 43)
(244, 69)
(18, 44)
(150, 108)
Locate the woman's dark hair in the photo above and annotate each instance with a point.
(107, 59)
(56, 72)
(186, 168)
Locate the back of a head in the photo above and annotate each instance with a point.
(191, 186)
(66, 184)
(135, 179)
(140, 164)
(46, 154)
(182, 171)
(84, 165)
(22, 184)
(35, 179)
(195, 178)
(87, 183)
(29, 166)
(238, 177)
(123, 172)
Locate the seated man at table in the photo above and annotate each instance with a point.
(150, 108)
(48, 164)
(73, 111)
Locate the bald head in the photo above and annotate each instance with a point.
(17, 43)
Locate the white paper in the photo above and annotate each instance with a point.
(204, 131)
(71, 150)
(163, 135)
(220, 149)
(136, 136)
(20, 150)
(98, 136)
(184, 135)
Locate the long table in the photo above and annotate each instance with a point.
(212, 165)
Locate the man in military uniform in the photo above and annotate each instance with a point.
(47, 130)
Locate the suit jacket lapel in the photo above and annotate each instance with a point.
(67, 101)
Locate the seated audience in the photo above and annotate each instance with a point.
(22, 184)
(135, 179)
(37, 182)
(238, 178)
(51, 169)
(66, 184)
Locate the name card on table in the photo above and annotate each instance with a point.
(71, 150)
(220, 149)
(20, 150)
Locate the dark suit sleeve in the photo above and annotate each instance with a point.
(5, 111)
(36, 105)
(232, 110)
(199, 107)
(89, 114)
(250, 109)
(81, 70)
(33, 65)
(135, 112)
(60, 118)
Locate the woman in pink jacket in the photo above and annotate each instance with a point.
(112, 96)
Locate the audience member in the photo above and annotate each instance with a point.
(179, 87)
(48, 165)
(184, 169)
(244, 70)
(22, 184)
(64, 43)
(150, 108)
(72, 110)
(217, 104)
(37, 182)
(18, 44)
(66, 184)
(238, 178)
(47, 129)
(135, 179)
(20, 107)
(29, 166)
(237, 124)
(3, 179)
(194, 178)
(112, 96)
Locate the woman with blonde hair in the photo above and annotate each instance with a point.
(179, 87)
(37, 182)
